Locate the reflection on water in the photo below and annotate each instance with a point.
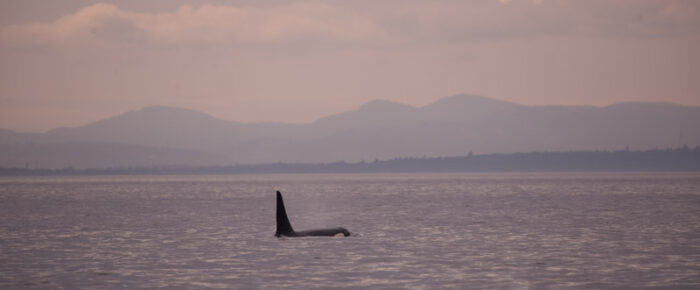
(418, 231)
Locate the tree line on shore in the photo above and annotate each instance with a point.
(678, 159)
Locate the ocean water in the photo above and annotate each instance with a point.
(419, 231)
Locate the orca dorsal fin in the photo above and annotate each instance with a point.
(283, 225)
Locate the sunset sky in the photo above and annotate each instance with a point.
(68, 63)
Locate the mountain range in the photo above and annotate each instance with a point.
(451, 126)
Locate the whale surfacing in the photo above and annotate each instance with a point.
(284, 228)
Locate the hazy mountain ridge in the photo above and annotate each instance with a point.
(452, 126)
(156, 126)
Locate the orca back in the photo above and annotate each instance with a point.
(284, 228)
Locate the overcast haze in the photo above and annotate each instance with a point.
(68, 63)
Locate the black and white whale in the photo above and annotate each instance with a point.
(284, 228)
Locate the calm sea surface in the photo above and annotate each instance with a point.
(540, 230)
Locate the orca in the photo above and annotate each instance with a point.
(284, 228)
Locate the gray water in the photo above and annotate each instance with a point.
(574, 230)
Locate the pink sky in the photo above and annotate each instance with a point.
(68, 63)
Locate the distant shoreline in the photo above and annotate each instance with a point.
(679, 159)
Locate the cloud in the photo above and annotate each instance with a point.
(501, 19)
(361, 22)
(99, 20)
(202, 24)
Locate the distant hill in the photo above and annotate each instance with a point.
(452, 126)
(679, 159)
